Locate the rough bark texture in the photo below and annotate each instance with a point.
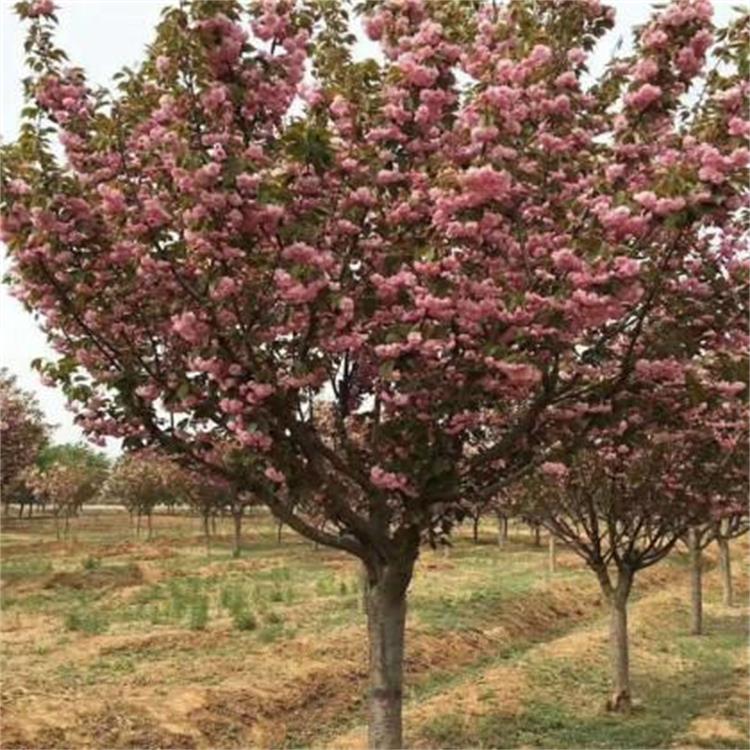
(696, 584)
(620, 700)
(207, 532)
(725, 567)
(385, 597)
(501, 537)
(237, 550)
(552, 553)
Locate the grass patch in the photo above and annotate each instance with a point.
(86, 621)
(24, 569)
(565, 704)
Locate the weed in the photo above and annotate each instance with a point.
(244, 620)
(198, 613)
(270, 633)
(85, 621)
(91, 563)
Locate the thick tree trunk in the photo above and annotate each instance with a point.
(206, 532)
(237, 549)
(475, 530)
(552, 553)
(696, 583)
(385, 597)
(620, 700)
(725, 567)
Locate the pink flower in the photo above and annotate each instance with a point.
(41, 8)
(274, 475)
(374, 26)
(258, 392)
(253, 439)
(565, 260)
(189, 327)
(739, 127)
(247, 182)
(647, 198)
(416, 74)
(163, 64)
(154, 214)
(646, 69)
(519, 374)
(576, 56)
(554, 470)
(387, 480)
(644, 97)
(486, 183)
(540, 55)
(224, 287)
(654, 39)
(147, 392)
(214, 98)
(113, 201)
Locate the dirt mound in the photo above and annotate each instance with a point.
(296, 709)
(163, 641)
(97, 578)
(299, 707)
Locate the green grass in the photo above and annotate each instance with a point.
(83, 620)
(252, 607)
(665, 705)
(24, 569)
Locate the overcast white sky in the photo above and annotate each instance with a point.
(102, 36)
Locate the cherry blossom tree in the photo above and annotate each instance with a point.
(641, 485)
(23, 434)
(466, 249)
(66, 479)
(722, 482)
(142, 481)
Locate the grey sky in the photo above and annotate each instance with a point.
(102, 36)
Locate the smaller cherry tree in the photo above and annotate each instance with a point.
(144, 480)
(23, 434)
(66, 485)
(721, 480)
(626, 499)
